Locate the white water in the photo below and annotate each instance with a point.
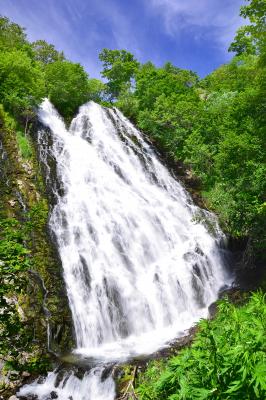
(138, 269)
(71, 387)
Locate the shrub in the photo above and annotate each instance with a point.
(226, 361)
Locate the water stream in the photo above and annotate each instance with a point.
(138, 267)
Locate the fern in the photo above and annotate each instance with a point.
(227, 359)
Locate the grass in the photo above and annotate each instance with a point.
(24, 145)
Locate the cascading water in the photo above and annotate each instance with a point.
(138, 268)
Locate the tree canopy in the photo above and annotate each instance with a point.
(119, 67)
(31, 71)
(67, 86)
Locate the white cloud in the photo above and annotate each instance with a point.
(219, 18)
(75, 26)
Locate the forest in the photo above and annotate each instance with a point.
(211, 131)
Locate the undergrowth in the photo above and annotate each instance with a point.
(24, 145)
(227, 359)
(14, 262)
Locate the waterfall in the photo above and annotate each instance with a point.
(138, 265)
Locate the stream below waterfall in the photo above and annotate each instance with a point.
(139, 266)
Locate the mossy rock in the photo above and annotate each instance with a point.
(24, 201)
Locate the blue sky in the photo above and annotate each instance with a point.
(193, 34)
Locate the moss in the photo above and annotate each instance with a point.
(33, 364)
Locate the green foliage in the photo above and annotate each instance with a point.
(152, 82)
(35, 364)
(67, 85)
(20, 251)
(236, 76)
(12, 36)
(96, 90)
(45, 52)
(243, 42)
(12, 251)
(128, 104)
(226, 360)
(14, 260)
(119, 67)
(227, 148)
(24, 145)
(31, 71)
(6, 120)
(251, 39)
(22, 84)
(36, 217)
(170, 121)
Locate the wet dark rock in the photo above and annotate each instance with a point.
(236, 295)
(223, 290)
(41, 379)
(213, 308)
(79, 373)
(54, 395)
(199, 251)
(189, 256)
(59, 377)
(156, 277)
(198, 290)
(85, 272)
(196, 270)
(107, 372)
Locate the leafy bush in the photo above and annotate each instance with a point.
(227, 359)
(67, 86)
(22, 83)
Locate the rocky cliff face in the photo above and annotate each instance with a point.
(35, 318)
